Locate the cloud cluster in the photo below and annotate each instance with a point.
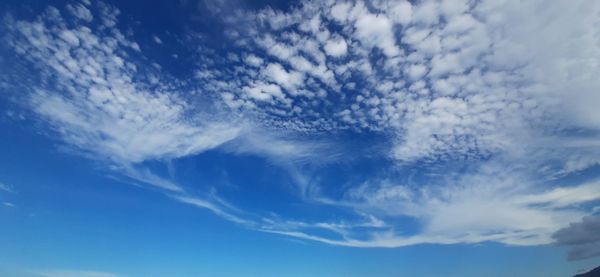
(99, 100)
(426, 78)
(102, 97)
(447, 79)
(99, 94)
(492, 114)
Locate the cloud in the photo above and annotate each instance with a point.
(488, 205)
(284, 149)
(581, 238)
(562, 72)
(142, 174)
(105, 110)
(276, 73)
(253, 60)
(399, 11)
(565, 196)
(127, 126)
(102, 103)
(6, 188)
(491, 115)
(264, 91)
(336, 48)
(376, 30)
(441, 110)
(219, 210)
(157, 39)
(80, 11)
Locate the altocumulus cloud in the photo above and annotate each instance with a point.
(441, 83)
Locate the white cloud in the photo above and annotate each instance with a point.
(376, 30)
(253, 60)
(340, 11)
(213, 207)
(157, 39)
(426, 13)
(144, 175)
(460, 24)
(416, 71)
(105, 107)
(80, 11)
(287, 79)
(564, 62)
(107, 111)
(453, 7)
(336, 48)
(400, 11)
(284, 149)
(128, 126)
(474, 209)
(264, 91)
(567, 196)
(458, 82)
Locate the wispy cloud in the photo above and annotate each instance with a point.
(103, 104)
(441, 83)
(215, 207)
(6, 188)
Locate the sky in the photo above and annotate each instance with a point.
(299, 138)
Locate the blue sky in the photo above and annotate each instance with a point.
(312, 138)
